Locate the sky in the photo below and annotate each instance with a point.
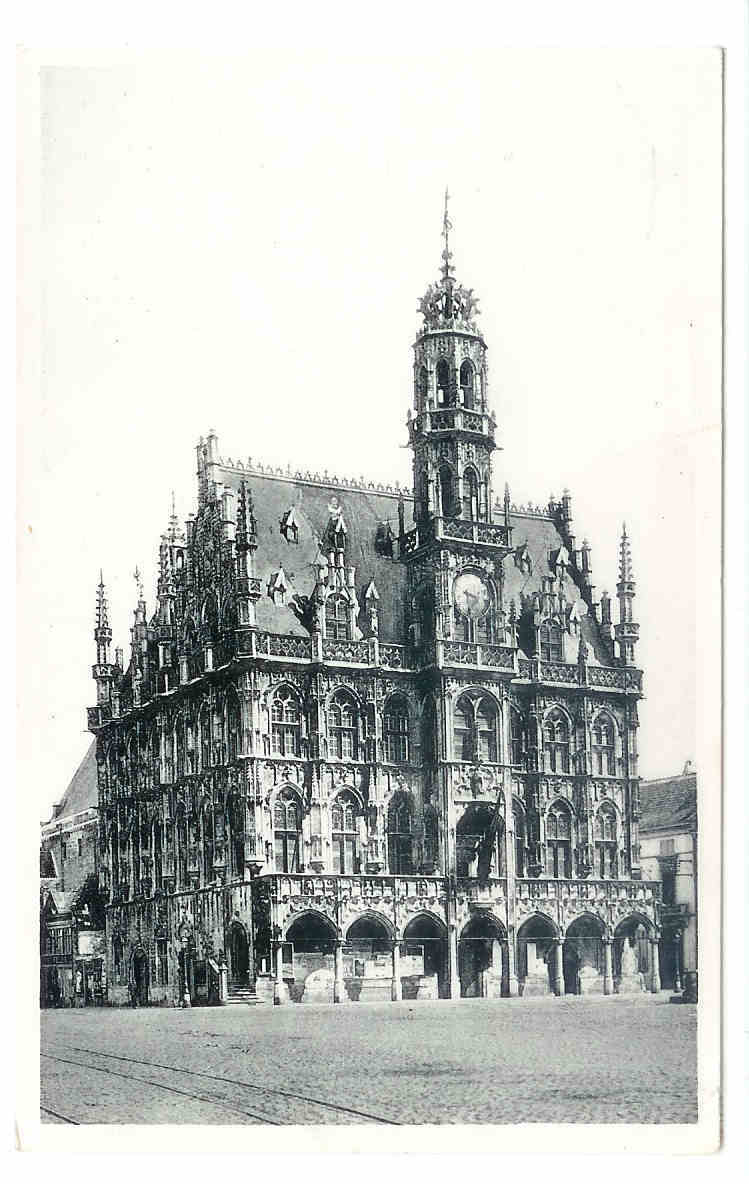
(240, 245)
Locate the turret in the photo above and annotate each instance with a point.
(102, 671)
(452, 432)
(247, 586)
(627, 631)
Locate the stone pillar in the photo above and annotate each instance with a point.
(512, 973)
(453, 975)
(396, 991)
(608, 970)
(677, 960)
(655, 977)
(338, 988)
(223, 982)
(278, 981)
(186, 1000)
(557, 971)
(690, 987)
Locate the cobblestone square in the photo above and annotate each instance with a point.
(563, 1060)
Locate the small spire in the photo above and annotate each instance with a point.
(447, 253)
(102, 609)
(626, 574)
(138, 582)
(173, 521)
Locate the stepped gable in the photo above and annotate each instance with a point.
(315, 501)
(669, 804)
(82, 792)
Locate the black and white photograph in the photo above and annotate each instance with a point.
(370, 551)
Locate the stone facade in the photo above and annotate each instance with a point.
(71, 916)
(668, 837)
(370, 742)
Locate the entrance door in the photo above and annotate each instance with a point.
(140, 974)
(239, 953)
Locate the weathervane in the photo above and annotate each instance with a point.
(446, 228)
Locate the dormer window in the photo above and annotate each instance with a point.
(337, 619)
(279, 589)
(550, 641)
(288, 526)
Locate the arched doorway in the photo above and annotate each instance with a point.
(632, 957)
(310, 949)
(482, 965)
(583, 958)
(238, 949)
(425, 939)
(368, 959)
(140, 978)
(536, 956)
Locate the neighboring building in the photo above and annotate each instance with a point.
(668, 834)
(369, 744)
(72, 965)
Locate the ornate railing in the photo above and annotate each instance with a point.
(636, 890)
(455, 528)
(350, 887)
(465, 653)
(346, 651)
(559, 672)
(283, 645)
(393, 656)
(615, 678)
(482, 891)
(468, 653)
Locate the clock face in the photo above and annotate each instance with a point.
(471, 595)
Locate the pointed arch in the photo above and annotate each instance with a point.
(395, 729)
(400, 827)
(444, 393)
(467, 384)
(559, 824)
(345, 813)
(470, 506)
(556, 729)
(603, 744)
(605, 834)
(287, 830)
(337, 618)
(343, 725)
(447, 491)
(285, 711)
(550, 643)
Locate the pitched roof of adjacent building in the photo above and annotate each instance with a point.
(82, 792)
(670, 803)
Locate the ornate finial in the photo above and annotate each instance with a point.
(173, 521)
(447, 253)
(139, 582)
(102, 609)
(626, 574)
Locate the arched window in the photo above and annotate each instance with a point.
(431, 836)
(337, 619)
(550, 639)
(396, 730)
(517, 737)
(181, 834)
(479, 842)
(286, 723)
(558, 842)
(423, 388)
(400, 839)
(233, 726)
(605, 832)
(428, 732)
(132, 762)
(470, 495)
(518, 815)
(603, 746)
(557, 742)
(208, 844)
(217, 748)
(486, 721)
(287, 828)
(189, 740)
(344, 817)
(180, 742)
(443, 384)
(343, 728)
(463, 731)
(447, 495)
(467, 384)
(157, 857)
(205, 738)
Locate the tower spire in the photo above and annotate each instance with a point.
(447, 254)
(627, 631)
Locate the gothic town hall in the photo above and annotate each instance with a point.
(406, 770)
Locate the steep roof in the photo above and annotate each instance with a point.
(82, 792)
(365, 508)
(669, 803)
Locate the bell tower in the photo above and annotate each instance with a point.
(452, 431)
